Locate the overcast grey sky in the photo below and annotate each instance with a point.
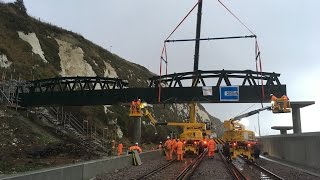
(287, 30)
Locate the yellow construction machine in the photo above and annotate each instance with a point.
(193, 136)
(242, 141)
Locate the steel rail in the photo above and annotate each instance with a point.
(234, 171)
(187, 172)
(145, 176)
(273, 176)
(262, 169)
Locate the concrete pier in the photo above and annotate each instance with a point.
(283, 129)
(136, 129)
(296, 119)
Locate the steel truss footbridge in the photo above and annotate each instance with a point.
(186, 87)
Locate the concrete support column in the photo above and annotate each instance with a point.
(296, 121)
(136, 130)
(283, 131)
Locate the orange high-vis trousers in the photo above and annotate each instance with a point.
(168, 155)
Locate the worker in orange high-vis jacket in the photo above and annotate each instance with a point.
(211, 147)
(119, 149)
(179, 146)
(135, 147)
(174, 146)
(133, 107)
(168, 149)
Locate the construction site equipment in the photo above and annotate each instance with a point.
(242, 141)
(194, 134)
(280, 105)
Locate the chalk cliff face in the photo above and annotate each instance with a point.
(30, 49)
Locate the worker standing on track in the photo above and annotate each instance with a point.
(179, 146)
(168, 149)
(226, 151)
(256, 151)
(135, 147)
(160, 147)
(211, 147)
(174, 146)
(120, 147)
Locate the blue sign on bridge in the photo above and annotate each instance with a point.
(229, 93)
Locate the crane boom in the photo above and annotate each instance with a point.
(250, 113)
(149, 115)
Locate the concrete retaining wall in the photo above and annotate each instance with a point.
(302, 148)
(84, 170)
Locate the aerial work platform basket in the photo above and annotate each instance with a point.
(280, 105)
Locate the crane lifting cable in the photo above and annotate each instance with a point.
(257, 50)
(164, 57)
(164, 50)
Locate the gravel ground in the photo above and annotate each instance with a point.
(208, 169)
(133, 172)
(284, 171)
(173, 170)
(248, 170)
(211, 169)
(312, 170)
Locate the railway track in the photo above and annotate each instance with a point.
(233, 170)
(209, 168)
(267, 174)
(155, 171)
(175, 169)
(264, 173)
(188, 171)
(242, 169)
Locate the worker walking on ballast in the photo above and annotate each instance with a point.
(179, 146)
(168, 149)
(119, 149)
(211, 147)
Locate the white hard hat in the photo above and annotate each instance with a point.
(168, 137)
(136, 143)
